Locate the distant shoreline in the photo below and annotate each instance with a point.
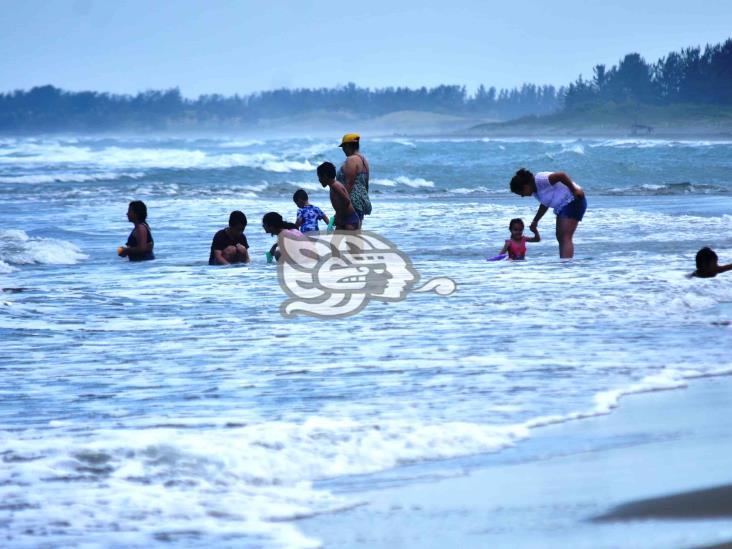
(599, 122)
(629, 121)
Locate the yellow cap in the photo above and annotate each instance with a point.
(120, 250)
(350, 138)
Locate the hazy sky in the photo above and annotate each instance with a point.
(221, 46)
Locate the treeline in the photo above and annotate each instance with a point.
(691, 75)
(51, 108)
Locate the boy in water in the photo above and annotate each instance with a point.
(307, 214)
(707, 264)
(229, 245)
(346, 218)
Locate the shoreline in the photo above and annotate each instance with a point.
(633, 477)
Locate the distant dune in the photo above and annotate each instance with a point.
(398, 122)
(675, 121)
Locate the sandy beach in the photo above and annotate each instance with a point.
(653, 473)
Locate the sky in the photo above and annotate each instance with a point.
(244, 46)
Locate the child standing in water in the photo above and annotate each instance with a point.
(307, 214)
(346, 217)
(515, 246)
(707, 264)
(140, 242)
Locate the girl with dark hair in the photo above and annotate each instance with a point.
(273, 224)
(515, 247)
(140, 243)
(554, 190)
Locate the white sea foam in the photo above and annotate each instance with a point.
(638, 143)
(307, 185)
(575, 149)
(317, 149)
(240, 144)
(404, 143)
(606, 401)
(17, 248)
(64, 177)
(236, 481)
(121, 158)
(476, 190)
(178, 426)
(415, 183)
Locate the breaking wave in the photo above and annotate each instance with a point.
(17, 248)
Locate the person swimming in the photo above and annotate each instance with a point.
(707, 264)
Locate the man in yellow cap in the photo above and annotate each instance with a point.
(354, 174)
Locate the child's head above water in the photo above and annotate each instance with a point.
(706, 262)
(516, 226)
(300, 198)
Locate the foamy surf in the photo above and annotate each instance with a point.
(70, 177)
(125, 158)
(170, 404)
(233, 482)
(17, 248)
(413, 182)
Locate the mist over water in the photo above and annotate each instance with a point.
(170, 403)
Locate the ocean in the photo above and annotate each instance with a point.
(170, 403)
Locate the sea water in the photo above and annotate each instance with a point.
(170, 403)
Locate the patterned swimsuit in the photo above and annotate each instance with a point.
(360, 191)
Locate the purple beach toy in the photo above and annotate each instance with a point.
(497, 257)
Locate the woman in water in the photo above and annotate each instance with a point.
(140, 243)
(354, 174)
(554, 190)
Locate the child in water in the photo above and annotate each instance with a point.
(707, 264)
(346, 217)
(273, 224)
(140, 243)
(307, 214)
(515, 246)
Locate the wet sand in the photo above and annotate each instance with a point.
(653, 473)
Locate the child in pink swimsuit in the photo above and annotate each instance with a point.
(515, 246)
